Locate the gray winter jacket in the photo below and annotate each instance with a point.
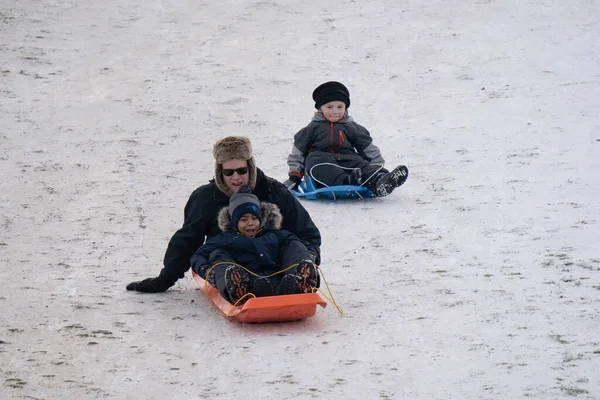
(344, 137)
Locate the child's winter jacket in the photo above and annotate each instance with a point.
(260, 254)
(344, 137)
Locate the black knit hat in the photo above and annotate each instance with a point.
(331, 91)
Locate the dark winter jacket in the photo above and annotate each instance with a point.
(200, 222)
(344, 137)
(260, 254)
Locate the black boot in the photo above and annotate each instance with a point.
(288, 285)
(238, 284)
(354, 177)
(262, 288)
(211, 279)
(386, 183)
(307, 276)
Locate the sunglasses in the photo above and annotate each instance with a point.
(239, 171)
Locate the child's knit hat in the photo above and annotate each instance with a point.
(241, 203)
(331, 91)
(233, 148)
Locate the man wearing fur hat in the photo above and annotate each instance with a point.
(234, 167)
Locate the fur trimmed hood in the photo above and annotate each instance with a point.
(271, 217)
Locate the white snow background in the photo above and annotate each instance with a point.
(478, 279)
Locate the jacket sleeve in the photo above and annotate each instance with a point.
(297, 220)
(186, 240)
(200, 259)
(302, 141)
(363, 143)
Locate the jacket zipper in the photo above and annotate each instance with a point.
(331, 137)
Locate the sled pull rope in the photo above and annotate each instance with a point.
(331, 300)
(372, 175)
(333, 165)
(310, 173)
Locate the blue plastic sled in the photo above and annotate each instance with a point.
(309, 190)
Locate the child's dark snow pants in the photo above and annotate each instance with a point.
(333, 175)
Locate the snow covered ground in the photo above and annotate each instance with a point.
(478, 279)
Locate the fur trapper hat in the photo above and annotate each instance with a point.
(233, 148)
(331, 91)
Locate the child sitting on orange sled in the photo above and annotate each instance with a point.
(252, 237)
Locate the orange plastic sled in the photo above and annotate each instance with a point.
(264, 309)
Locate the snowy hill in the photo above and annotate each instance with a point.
(478, 279)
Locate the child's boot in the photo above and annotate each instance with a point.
(211, 279)
(288, 285)
(262, 287)
(387, 182)
(354, 177)
(237, 282)
(307, 276)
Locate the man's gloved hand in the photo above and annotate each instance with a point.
(293, 182)
(151, 285)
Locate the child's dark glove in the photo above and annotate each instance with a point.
(151, 285)
(293, 182)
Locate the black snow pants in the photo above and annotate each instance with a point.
(329, 169)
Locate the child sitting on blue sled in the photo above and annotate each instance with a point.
(334, 150)
(252, 237)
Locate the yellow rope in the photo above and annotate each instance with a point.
(328, 298)
(215, 309)
(331, 300)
